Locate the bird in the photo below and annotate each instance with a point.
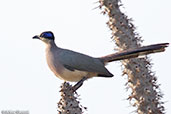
(73, 66)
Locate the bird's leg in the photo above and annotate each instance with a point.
(79, 84)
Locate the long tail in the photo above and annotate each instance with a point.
(132, 53)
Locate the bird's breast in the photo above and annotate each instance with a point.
(53, 63)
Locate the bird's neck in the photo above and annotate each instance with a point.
(51, 45)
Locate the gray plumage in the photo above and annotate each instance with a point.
(73, 66)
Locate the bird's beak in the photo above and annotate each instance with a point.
(36, 37)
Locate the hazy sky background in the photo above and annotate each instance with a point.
(26, 83)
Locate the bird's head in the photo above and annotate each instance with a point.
(46, 36)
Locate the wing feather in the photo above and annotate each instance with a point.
(74, 60)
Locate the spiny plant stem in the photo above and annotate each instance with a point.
(146, 95)
(69, 103)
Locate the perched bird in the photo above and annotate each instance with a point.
(72, 66)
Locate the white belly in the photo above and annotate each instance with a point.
(73, 76)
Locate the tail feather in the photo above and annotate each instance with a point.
(132, 53)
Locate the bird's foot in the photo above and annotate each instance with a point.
(79, 84)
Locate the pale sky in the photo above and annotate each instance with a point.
(26, 83)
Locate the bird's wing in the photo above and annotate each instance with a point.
(77, 61)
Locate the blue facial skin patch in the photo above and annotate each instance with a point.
(47, 35)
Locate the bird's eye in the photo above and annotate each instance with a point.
(46, 35)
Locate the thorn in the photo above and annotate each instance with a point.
(96, 7)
